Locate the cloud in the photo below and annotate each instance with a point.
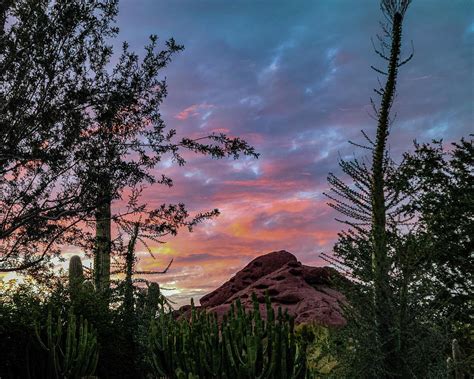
(194, 111)
(293, 79)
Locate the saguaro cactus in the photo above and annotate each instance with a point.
(76, 276)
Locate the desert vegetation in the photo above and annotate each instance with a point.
(81, 130)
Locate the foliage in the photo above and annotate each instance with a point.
(431, 260)
(20, 307)
(246, 339)
(243, 345)
(51, 53)
(319, 359)
(440, 183)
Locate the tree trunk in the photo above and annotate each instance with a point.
(103, 240)
(129, 266)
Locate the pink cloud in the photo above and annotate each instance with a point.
(193, 111)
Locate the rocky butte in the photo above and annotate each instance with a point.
(304, 291)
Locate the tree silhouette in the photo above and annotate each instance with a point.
(440, 183)
(76, 132)
(126, 139)
(51, 53)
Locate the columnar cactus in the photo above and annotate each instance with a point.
(74, 355)
(76, 275)
(75, 269)
(456, 366)
(153, 298)
(243, 346)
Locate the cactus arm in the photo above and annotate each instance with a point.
(69, 338)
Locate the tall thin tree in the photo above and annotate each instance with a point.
(394, 10)
(370, 202)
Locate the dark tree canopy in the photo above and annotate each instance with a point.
(77, 132)
(440, 185)
(51, 55)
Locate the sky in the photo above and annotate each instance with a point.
(293, 78)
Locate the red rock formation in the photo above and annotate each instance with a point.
(256, 269)
(304, 291)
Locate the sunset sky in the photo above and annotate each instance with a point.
(293, 78)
